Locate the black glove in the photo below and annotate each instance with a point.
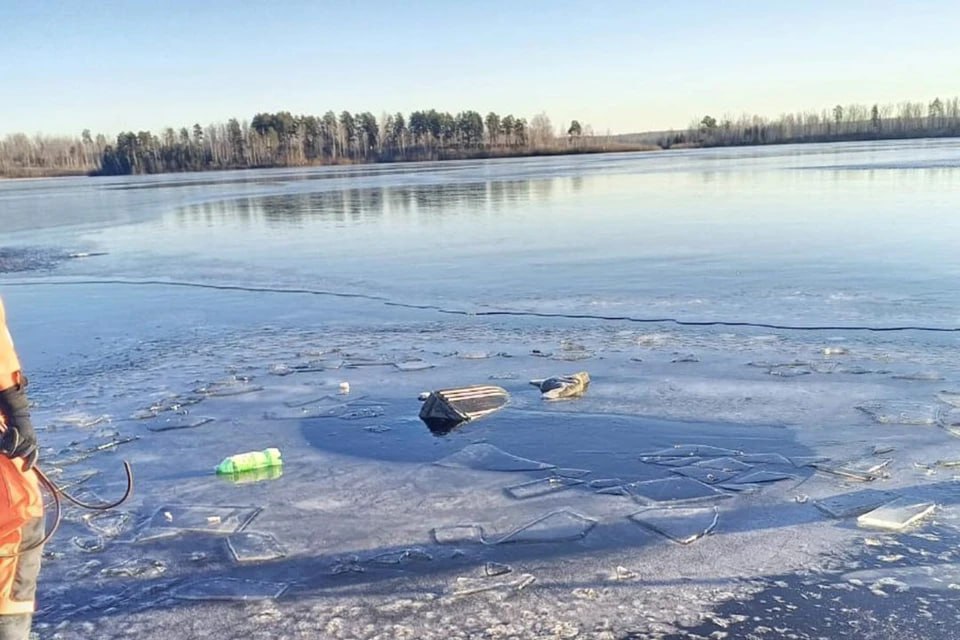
(19, 440)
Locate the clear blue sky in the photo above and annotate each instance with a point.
(619, 65)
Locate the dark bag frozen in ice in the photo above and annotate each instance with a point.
(445, 409)
(559, 387)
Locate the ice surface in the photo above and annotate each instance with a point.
(950, 397)
(938, 577)
(896, 515)
(229, 589)
(231, 387)
(900, 412)
(252, 546)
(541, 487)
(854, 504)
(680, 524)
(135, 568)
(559, 526)
(413, 365)
(483, 456)
(672, 491)
(572, 473)
(764, 458)
(175, 519)
(605, 483)
(670, 461)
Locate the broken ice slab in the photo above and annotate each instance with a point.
(252, 546)
(789, 371)
(414, 554)
(280, 369)
(707, 476)
(849, 505)
(445, 409)
(950, 397)
(362, 413)
(491, 569)
(175, 403)
(680, 524)
(109, 524)
(559, 526)
(922, 376)
(686, 357)
(180, 422)
(111, 443)
(605, 483)
(761, 476)
(231, 387)
(724, 464)
(740, 488)
(949, 419)
(465, 586)
(864, 469)
(698, 450)
(88, 544)
(670, 461)
(540, 487)
(834, 351)
(900, 412)
(896, 515)
(486, 457)
(563, 387)
(413, 365)
(175, 519)
(474, 355)
(672, 491)
(230, 589)
(808, 461)
(135, 568)
(458, 534)
(572, 473)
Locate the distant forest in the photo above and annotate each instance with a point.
(285, 140)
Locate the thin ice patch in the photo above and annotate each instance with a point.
(697, 450)
(853, 504)
(670, 461)
(762, 476)
(413, 365)
(486, 457)
(938, 577)
(863, 469)
(764, 458)
(724, 464)
(541, 487)
(225, 388)
(950, 397)
(458, 534)
(680, 524)
(672, 491)
(172, 520)
(230, 589)
(559, 526)
(251, 546)
(900, 412)
(135, 568)
(896, 515)
(109, 524)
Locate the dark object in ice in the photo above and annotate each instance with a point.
(447, 408)
(573, 385)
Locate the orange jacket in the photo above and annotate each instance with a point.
(20, 499)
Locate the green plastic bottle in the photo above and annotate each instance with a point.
(249, 461)
(254, 475)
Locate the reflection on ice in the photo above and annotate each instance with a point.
(680, 524)
(483, 456)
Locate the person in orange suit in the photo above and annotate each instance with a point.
(21, 505)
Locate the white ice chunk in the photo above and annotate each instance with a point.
(896, 515)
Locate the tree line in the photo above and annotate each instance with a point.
(282, 139)
(937, 118)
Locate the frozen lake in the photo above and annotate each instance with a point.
(771, 334)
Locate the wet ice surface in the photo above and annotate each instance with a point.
(708, 482)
